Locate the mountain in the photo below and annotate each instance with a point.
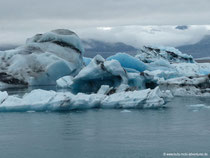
(92, 47)
(199, 49)
(105, 49)
(7, 47)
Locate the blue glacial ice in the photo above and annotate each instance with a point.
(129, 62)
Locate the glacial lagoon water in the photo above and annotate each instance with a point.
(184, 127)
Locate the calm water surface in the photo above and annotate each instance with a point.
(98, 133)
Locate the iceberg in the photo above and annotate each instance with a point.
(42, 60)
(97, 73)
(42, 100)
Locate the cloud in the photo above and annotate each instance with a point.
(111, 12)
(24, 18)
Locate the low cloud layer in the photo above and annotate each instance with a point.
(147, 35)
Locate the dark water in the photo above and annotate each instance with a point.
(98, 133)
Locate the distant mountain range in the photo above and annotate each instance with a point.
(199, 49)
(92, 47)
(7, 47)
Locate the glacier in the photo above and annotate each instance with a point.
(57, 58)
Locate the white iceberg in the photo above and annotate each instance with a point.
(42, 100)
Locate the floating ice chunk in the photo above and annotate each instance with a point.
(30, 111)
(125, 111)
(198, 107)
(128, 61)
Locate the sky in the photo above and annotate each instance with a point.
(135, 22)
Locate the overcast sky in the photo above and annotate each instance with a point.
(127, 19)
